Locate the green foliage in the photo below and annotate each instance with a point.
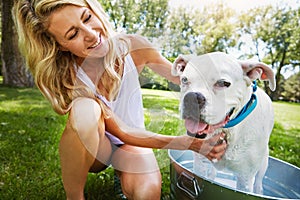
(199, 31)
(143, 16)
(218, 29)
(291, 87)
(152, 80)
(30, 132)
(179, 37)
(275, 38)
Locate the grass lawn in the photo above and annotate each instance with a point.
(30, 132)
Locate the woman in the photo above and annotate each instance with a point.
(86, 70)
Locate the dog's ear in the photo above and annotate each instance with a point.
(180, 64)
(258, 70)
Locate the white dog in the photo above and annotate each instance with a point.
(218, 94)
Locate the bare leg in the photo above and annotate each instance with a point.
(139, 173)
(84, 141)
(78, 150)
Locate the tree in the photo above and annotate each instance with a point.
(291, 88)
(153, 17)
(199, 31)
(122, 13)
(279, 36)
(218, 28)
(177, 38)
(145, 17)
(138, 16)
(276, 39)
(13, 66)
(0, 37)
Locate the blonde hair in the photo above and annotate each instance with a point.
(53, 69)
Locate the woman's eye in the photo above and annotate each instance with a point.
(73, 35)
(222, 83)
(87, 18)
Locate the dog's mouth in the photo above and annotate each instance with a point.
(198, 127)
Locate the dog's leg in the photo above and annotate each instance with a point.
(258, 188)
(204, 167)
(245, 183)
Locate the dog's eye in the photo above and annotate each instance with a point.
(184, 80)
(222, 83)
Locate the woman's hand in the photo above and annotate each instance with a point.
(213, 148)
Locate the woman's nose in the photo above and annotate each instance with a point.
(89, 33)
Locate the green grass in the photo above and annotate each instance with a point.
(285, 138)
(30, 132)
(29, 135)
(287, 114)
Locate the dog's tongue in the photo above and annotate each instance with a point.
(194, 126)
(200, 127)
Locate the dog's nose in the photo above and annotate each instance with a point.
(194, 98)
(193, 103)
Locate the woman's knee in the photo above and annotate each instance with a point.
(84, 117)
(84, 120)
(139, 172)
(95, 154)
(141, 186)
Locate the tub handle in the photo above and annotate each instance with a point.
(189, 185)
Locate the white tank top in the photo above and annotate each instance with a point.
(128, 104)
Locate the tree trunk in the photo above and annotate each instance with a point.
(13, 66)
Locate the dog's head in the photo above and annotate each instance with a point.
(215, 86)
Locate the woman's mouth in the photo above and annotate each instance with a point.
(97, 43)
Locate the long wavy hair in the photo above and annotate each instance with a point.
(53, 69)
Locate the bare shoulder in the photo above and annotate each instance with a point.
(138, 42)
(142, 50)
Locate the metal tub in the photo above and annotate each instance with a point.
(281, 181)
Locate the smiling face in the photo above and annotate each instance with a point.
(78, 30)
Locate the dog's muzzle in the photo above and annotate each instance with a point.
(193, 104)
(192, 112)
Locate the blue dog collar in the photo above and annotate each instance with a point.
(246, 110)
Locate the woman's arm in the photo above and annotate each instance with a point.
(85, 118)
(145, 54)
(144, 138)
